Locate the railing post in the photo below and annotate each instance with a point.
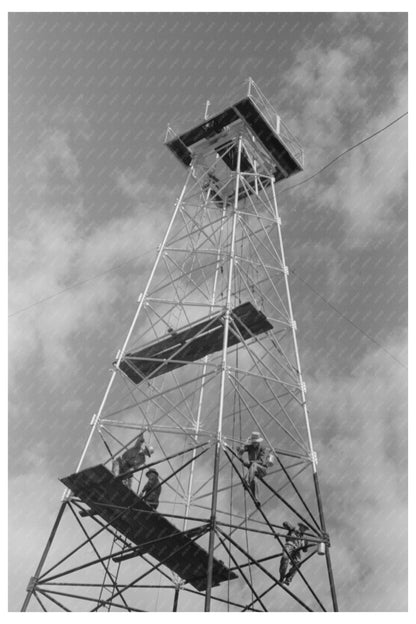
(250, 81)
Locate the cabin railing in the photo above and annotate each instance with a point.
(266, 109)
(275, 121)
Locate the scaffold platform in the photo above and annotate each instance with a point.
(193, 342)
(119, 506)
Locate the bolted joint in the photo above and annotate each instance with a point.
(293, 325)
(66, 496)
(314, 457)
(286, 270)
(32, 583)
(303, 387)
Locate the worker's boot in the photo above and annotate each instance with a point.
(290, 574)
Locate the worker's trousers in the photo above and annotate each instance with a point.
(293, 557)
(255, 470)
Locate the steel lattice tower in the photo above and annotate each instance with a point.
(211, 356)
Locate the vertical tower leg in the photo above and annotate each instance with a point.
(175, 600)
(222, 388)
(303, 392)
(327, 553)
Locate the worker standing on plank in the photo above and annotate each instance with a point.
(151, 491)
(257, 457)
(132, 458)
(295, 544)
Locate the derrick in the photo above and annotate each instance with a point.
(206, 399)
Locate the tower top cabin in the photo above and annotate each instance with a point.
(268, 148)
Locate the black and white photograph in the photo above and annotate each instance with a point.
(207, 311)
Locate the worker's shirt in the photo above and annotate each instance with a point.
(135, 456)
(294, 542)
(152, 492)
(255, 453)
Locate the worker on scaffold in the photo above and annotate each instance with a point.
(132, 458)
(258, 464)
(151, 491)
(294, 545)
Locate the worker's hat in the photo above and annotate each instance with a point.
(255, 437)
(152, 470)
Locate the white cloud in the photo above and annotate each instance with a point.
(359, 424)
(53, 149)
(50, 252)
(335, 100)
(326, 85)
(33, 501)
(120, 240)
(370, 183)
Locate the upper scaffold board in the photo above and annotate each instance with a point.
(193, 343)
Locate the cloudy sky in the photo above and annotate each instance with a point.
(91, 187)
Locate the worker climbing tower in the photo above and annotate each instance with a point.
(209, 364)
